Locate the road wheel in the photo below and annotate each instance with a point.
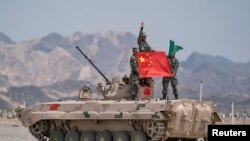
(72, 136)
(56, 135)
(138, 136)
(120, 136)
(103, 136)
(88, 136)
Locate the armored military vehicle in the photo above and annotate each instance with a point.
(118, 118)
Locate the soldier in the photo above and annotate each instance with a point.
(125, 79)
(143, 45)
(173, 80)
(134, 75)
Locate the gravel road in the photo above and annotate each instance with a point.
(15, 133)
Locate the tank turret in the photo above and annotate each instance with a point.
(117, 89)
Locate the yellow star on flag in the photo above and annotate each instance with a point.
(142, 59)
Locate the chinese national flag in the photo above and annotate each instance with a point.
(153, 64)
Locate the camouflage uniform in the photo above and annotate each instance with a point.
(173, 80)
(143, 45)
(134, 76)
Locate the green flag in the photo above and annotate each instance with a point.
(173, 48)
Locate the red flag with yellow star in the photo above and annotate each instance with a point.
(152, 64)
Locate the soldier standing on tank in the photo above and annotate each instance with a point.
(173, 80)
(143, 47)
(173, 48)
(134, 75)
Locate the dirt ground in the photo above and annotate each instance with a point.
(13, 122)
(13, 130)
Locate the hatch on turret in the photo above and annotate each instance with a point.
(85, 93)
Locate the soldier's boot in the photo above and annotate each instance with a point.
(175, 95)
(164, 96)
(133, 97)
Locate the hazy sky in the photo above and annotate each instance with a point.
(215, 27)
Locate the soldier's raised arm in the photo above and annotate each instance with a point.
(142, 26)
(140, 33)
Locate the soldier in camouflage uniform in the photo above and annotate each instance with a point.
(173, 80)
(143, 45)
(134, 75)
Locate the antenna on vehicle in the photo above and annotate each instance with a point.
(200, 90)
(232, 113)
(24, 104)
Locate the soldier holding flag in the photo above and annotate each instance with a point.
(143, 47)
(174, 65)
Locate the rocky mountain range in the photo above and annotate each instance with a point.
(51, 68)
(5, 39)
(224, 81)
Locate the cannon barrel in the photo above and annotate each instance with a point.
(106, 79)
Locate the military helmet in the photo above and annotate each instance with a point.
(135, 49)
